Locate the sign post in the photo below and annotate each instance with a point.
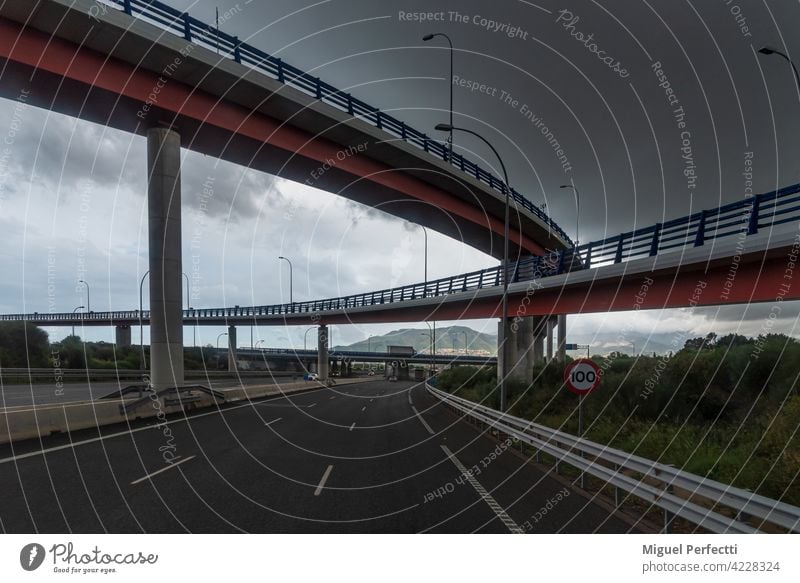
(581, 376)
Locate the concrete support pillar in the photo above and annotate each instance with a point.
(164, 238)
(122, 335)
(322, 353)
(551, 324)
(232, 355)
(518, 352)
(539, 329)
(562, 338)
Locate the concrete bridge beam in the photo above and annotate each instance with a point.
(232, 353)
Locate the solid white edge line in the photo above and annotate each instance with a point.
(268, 423)
(169, 467)
(353, 425)
(509, 523)
(324, 479)
(425, 423)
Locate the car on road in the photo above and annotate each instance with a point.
(371, 373)
(313, 376)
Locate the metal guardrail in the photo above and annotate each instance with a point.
(742, 218)
(198, 32)
(590, 457)
(114, 373)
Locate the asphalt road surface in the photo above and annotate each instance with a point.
(366, 457)
(13, 395)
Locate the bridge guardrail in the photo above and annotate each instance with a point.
(656, 479)
(740, 218)
(196, 31)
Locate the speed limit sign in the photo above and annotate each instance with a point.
(582, 376)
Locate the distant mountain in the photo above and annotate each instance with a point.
(448, 340)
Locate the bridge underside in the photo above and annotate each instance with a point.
(79, 82)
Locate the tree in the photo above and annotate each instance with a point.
(23, 345)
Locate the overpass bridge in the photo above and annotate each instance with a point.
(144, 67)
(741, 252)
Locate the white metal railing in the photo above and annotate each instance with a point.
(656, 482)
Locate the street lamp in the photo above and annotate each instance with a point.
(506, 189)
(772, 51)
(73, 311)
(290, 277)
(369, 340)
(577, 210)
(465, 343)
(425, 293)
(426, 38)
(88, 301)
(259, 342)
(431, 348)
(220, 336)
(305, 336)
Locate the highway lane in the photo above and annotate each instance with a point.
(366, 457)
(13, 395)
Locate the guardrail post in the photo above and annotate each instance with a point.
(655, 241)
(618, 256)
(700, 238)
(281, 75)
(752, 226)
(126, 6)
(589, 256)
(616, 488)
(236, 55)
(378, 123)
(668, 516)
(743, 516)
(349, 103)
(187, 29)
(560, 268)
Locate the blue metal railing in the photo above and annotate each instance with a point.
(198, 32)
(743, 218)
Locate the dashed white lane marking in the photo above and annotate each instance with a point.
(512, 526)
(332, 397)
(169, 467)
(268, 423)
(324, 479)
(409, 399)
(364, 408)
(311, 405)
(425, 423)
(353, 425)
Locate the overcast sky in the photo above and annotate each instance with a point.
(73, 193)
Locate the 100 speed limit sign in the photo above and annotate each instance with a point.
(582, 376)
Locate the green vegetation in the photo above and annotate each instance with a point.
(727, 408)
(21, 344)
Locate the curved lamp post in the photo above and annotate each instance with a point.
(73, 311)
(290, 277)
(426, 38)
(442, 127)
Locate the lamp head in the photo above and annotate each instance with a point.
(427, 37)
(443, 127)
(566, 186)
(766, 51)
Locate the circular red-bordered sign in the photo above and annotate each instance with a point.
(582, 376)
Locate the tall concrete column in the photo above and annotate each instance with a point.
(519, 351)
(562, 338)
(232, 353)
(122, 336)
(322, 353)
(164, 230)
(549, 338)
(539, 327)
